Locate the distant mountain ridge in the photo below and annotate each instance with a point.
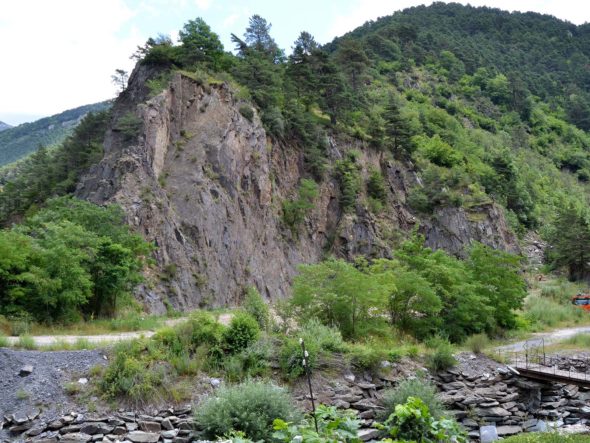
(18, 141)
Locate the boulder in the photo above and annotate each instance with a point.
(143, 437)
(508, 430)
(75, 437)
(149, 426)
(496, 411)
(488, 434)
(368, 434)
(26, 370)
(96, 428)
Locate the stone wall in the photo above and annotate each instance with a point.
(510, 402)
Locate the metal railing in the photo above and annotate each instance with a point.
(533, 358)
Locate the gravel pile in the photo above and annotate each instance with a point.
(33, 381)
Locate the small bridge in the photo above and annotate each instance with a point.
(532, 362)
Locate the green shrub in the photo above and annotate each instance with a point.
(3, 341)
(255, 305)
(412, 421)
(333, 426)
(376, 186)
(250, 362)
(72, 388)
(249, 407)
(412, 387)
(294, 211)
(348, 175)
(242, 331)
(319, 340)
(185, 365)
(441, 357)
(477, 343)
(135, 372)
(364, 356)
(247, 112)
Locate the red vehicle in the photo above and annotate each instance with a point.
(582, 301)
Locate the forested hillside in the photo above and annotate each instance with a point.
(4, 126)
(447, 124)
(19, 141)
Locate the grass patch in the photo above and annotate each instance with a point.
(477, 343)
(72, 388)
(441, 356)
(547, 437)
(579, 340)
(81, 344)
(125, 323)
(547, 313)
(21, 394)
(4, 341)
(26, 342)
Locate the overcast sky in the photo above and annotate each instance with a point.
(60, 54)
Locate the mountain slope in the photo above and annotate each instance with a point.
(4, 126)
(19, 141)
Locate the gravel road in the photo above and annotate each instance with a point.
(547, 337)
(46, 340)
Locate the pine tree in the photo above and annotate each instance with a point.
(397, 130)
(571, 243)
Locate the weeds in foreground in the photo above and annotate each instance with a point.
(21, 394)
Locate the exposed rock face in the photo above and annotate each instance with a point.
(451, 226)
(205, 185)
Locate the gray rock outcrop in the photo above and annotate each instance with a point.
(206, 185)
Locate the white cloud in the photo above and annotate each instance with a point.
(62, 54)
(230, 20)
(203, 4)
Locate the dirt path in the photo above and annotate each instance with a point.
(546, 337)
(48, 340)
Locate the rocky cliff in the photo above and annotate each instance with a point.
(205, 184)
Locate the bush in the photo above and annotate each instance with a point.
(412, 421)
(348, 175)
(134, 372)
(364, 356)
(294, 211)
(376, 186)
(412, 387)
(333, 425)
(441, 358)
(255, 305)
(249, 407)
(3, 341)
(247, 112)
(242, 331)
(477, 343)
(319, 339)
(251, 362)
